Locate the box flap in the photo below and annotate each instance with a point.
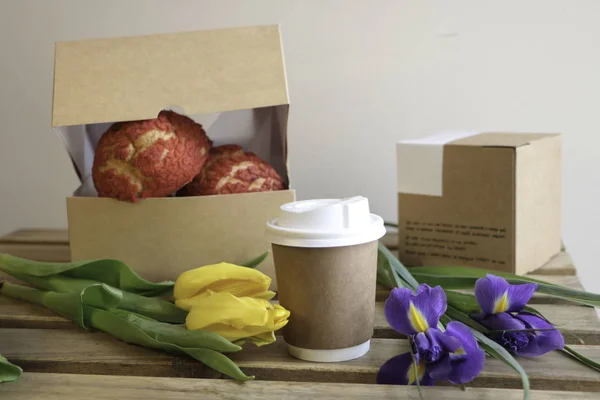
(500, 139)
(428, 153)
(130, 78)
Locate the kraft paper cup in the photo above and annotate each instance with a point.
(325, 254)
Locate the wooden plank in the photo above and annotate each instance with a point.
(579, 325)
(20, 314)
(80, 352)
(93, 387)
(47, 236)
(38, 244)
(561, 264)
(38, 251)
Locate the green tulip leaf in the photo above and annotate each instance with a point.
(68, 305)
(9, 372)
(200, 345)
(111, 272)
(255, 262)
(95, 307)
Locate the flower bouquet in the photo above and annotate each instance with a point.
(450, 331)
(216, 310)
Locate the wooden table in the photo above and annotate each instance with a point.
(61, 361)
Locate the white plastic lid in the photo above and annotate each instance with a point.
(325, 223)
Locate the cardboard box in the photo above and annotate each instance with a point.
(233, 82)
(489, 200)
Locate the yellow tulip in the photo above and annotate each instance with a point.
(237, 318)
(194, 284)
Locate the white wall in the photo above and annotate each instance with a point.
(362, 75)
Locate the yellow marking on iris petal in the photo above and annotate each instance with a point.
(501, 304)
(412, 378)
(417, 319)
(460, 352)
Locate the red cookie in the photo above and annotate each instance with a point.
(231, 170)
(149, 158)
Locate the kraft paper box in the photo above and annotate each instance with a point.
(233, 82)
(489, 200)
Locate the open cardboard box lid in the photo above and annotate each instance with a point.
(131, 78)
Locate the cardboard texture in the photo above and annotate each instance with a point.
(500, 206)
(329, 293)
(232, 81)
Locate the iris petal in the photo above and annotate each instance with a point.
(416, 318)
(466, 367)
(540, 342)
(432, 303)
(409, 313)
(488, 291)
(495, 295)
(396, 310)
(441, 369)
(519, 296)
(400, 369)
(512, 341)
(501, 304)
(450, 343)
(501, 322)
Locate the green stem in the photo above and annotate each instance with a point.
(22, 292)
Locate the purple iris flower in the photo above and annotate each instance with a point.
(452, 355)
(521, 332)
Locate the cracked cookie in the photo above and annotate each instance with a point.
(231, 170)
(149, 158)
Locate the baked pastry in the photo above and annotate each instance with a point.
(229, 169)
(149, 158)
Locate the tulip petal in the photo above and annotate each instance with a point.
(467, 362)
(259, 340)
(222, 277)
(408, 313)
(400, 370)
(279, 316)
(229, 309)
(234, 334)
(540, 342)
(235, 317)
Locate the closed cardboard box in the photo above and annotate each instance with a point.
(489, 200)
(233, 82)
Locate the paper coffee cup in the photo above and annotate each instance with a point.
(325, 254)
